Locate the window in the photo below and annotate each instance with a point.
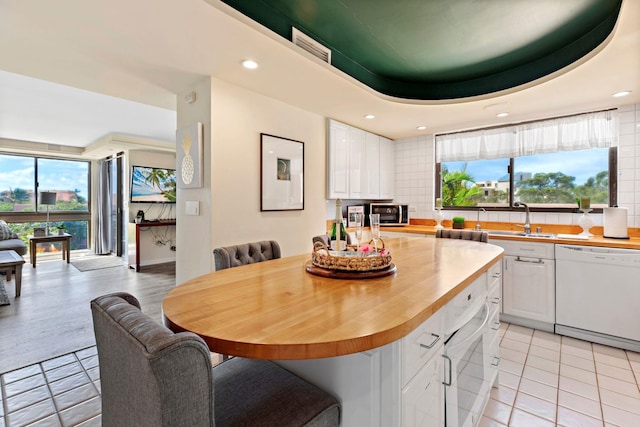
(549, 165)
(22, 178)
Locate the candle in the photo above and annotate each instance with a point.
(438, 202)
(585, 203)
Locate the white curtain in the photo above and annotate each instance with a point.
(580, 132)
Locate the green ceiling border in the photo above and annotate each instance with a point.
(274, 20)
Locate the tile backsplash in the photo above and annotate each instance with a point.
(415, 161)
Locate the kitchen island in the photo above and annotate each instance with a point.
(375, 344)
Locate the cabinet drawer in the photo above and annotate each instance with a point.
(422, 398)
(495, 296)
(494, 272)
(421, 344)
(528, 249)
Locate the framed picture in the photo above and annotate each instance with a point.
(189, 156)
(351, 212)
(281, 174)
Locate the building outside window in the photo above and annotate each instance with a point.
(550, 165)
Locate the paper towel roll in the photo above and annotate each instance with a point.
(615, 223)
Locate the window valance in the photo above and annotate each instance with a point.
(579, 132)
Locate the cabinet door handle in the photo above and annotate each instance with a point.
(496, 300)
(445, 382)
(539, 261)
(496, 359)
(497, 326)
(496, 275)
(429, 346)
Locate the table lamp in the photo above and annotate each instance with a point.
(48, 198)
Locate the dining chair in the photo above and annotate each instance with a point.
(478, 236)
(246, 253)
(151, 376)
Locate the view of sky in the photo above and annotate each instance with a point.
(54, 175)
(579, 164)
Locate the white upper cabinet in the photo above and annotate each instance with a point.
(338, 156)
(360, 164)
(387, 168)
(372, 147)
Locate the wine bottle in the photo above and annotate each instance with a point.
(338, 234)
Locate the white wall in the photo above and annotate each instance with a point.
(415, 185)
(230, 201)
(238, 117)
(194, 241)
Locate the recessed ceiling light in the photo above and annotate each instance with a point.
(621, 94)
(249, 64)
(421, 127)
(502, 114)
(369, 116)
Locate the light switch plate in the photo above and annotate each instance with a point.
(192, 208)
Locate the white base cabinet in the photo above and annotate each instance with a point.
(528, 287)
(401, 383)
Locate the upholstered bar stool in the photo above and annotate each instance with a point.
(151, 376)
(246, 253)
(478, 236)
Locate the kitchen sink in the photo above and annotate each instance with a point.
(520, 234)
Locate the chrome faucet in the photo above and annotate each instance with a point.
(478, 226)
(527, 220)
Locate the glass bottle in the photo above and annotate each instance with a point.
(338, 234)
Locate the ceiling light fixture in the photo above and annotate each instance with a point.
(249, 64)
(421, 127)
(502, 114)
(621, 94)
(369, 116)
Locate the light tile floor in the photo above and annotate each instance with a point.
(545, 380)
(550, 380)
(64, 391)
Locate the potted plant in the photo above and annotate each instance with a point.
(61, 229)
(458, 222)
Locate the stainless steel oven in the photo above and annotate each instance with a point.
(469, 363)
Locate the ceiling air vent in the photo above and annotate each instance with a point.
(313, 47)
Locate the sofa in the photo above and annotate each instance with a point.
(10, 240)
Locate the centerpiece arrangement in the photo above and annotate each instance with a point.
(339, 260)
(359, 260)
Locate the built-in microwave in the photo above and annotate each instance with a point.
(390, 213)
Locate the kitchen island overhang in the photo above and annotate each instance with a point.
(276, 310)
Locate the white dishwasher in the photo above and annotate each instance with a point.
(598, 294)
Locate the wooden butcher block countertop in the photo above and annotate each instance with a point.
(426, 226)
(277, 310)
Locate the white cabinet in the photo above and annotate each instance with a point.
(422, 398)
(387, 168)
(372, 149)
(529, 284)
(360, 165)
(357, 164)
(338, 156)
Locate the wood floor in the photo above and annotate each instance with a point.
(52, 316)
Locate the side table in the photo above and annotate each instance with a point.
(11, 261)
(64, 238)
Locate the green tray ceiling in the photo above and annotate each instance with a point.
(443, 49)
